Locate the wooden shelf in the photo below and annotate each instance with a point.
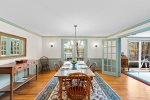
(16, 85)
(11, 69)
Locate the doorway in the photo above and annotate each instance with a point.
(137, 49)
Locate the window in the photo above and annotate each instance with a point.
(71, 50)
(133, 51)
(139, 53)
(12, 46)
(145, 50)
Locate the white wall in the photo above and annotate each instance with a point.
(51, 52)
(34, 42)
(94, 52)
(55, 52)
(124, 45)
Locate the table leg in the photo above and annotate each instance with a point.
(60, 87)
(89, 84)
(36, 71)
(11, 83)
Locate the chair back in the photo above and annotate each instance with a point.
(77, 86)
(93, 67)
(44, 61)
(60, 63)
(56, 67)
(88, 63)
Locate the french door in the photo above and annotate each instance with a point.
(111, 63)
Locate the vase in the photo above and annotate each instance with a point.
(74, 65)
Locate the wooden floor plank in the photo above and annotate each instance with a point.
(127, 87)
(30, 90)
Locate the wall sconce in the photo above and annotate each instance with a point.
(52, 44)
(95, 45)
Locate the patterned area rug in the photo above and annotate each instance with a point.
(102, 91)
(98, 93)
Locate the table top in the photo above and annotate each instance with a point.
(66, 69)
(13, 64)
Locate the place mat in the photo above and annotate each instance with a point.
(74, 71)
(65, 67)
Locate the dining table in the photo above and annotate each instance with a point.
(68, 68)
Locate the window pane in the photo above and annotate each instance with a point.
(113, 43)
(109, 43)
(114, 56)
(72, 49)
(109, 56)
(105, 55)
(109, 49)
(113, 49)
(145, 50)
(133, 51)
(105, 50)
(105, 43)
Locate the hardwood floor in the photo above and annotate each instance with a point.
(127, 87)
(30, 90)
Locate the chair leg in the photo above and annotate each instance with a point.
(92, 87)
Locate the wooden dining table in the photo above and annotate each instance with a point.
(67, 68)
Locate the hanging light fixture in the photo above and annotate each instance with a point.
(75, 45)
(75, 26)
(74, 60)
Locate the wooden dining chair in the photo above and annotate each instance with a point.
(44, 63)
(77, 86)
(88, 63)
(60, 63)
(93, 67)
(56, 67)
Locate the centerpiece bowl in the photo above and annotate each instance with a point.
(74, 63)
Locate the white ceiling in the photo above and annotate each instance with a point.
(57, 17)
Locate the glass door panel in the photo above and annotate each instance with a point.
(111, 57)
(114, 50)
(105, 65)
(145, 54)
(113, 65)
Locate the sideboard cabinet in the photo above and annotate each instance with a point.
(12, 69)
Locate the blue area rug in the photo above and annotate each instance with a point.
(101, 88)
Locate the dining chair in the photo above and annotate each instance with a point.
(60, 63)
(77, 86)
(88, 63)
(56, 67)
(44, 63)
(93, 68)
